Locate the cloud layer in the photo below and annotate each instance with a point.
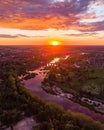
(45, 14)
(12, 36)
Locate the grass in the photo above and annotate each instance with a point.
(48, 90)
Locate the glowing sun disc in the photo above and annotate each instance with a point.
(55, 43)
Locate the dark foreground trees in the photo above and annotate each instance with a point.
(16, 103)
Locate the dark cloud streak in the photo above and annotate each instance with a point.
(12, 36)
(81, 34)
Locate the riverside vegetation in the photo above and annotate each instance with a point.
(77, 76)
(17, 102)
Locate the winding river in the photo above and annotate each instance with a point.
(34, 85)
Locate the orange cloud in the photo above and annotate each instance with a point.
(43, 14)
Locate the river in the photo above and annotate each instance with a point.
(34, 85)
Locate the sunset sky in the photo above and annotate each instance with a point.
(35, 22)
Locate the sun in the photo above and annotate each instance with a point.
(55, 43)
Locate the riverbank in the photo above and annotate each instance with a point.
(34, 85)
(25, 124)
(94, 105)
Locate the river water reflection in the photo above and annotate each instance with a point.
(34, 85)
